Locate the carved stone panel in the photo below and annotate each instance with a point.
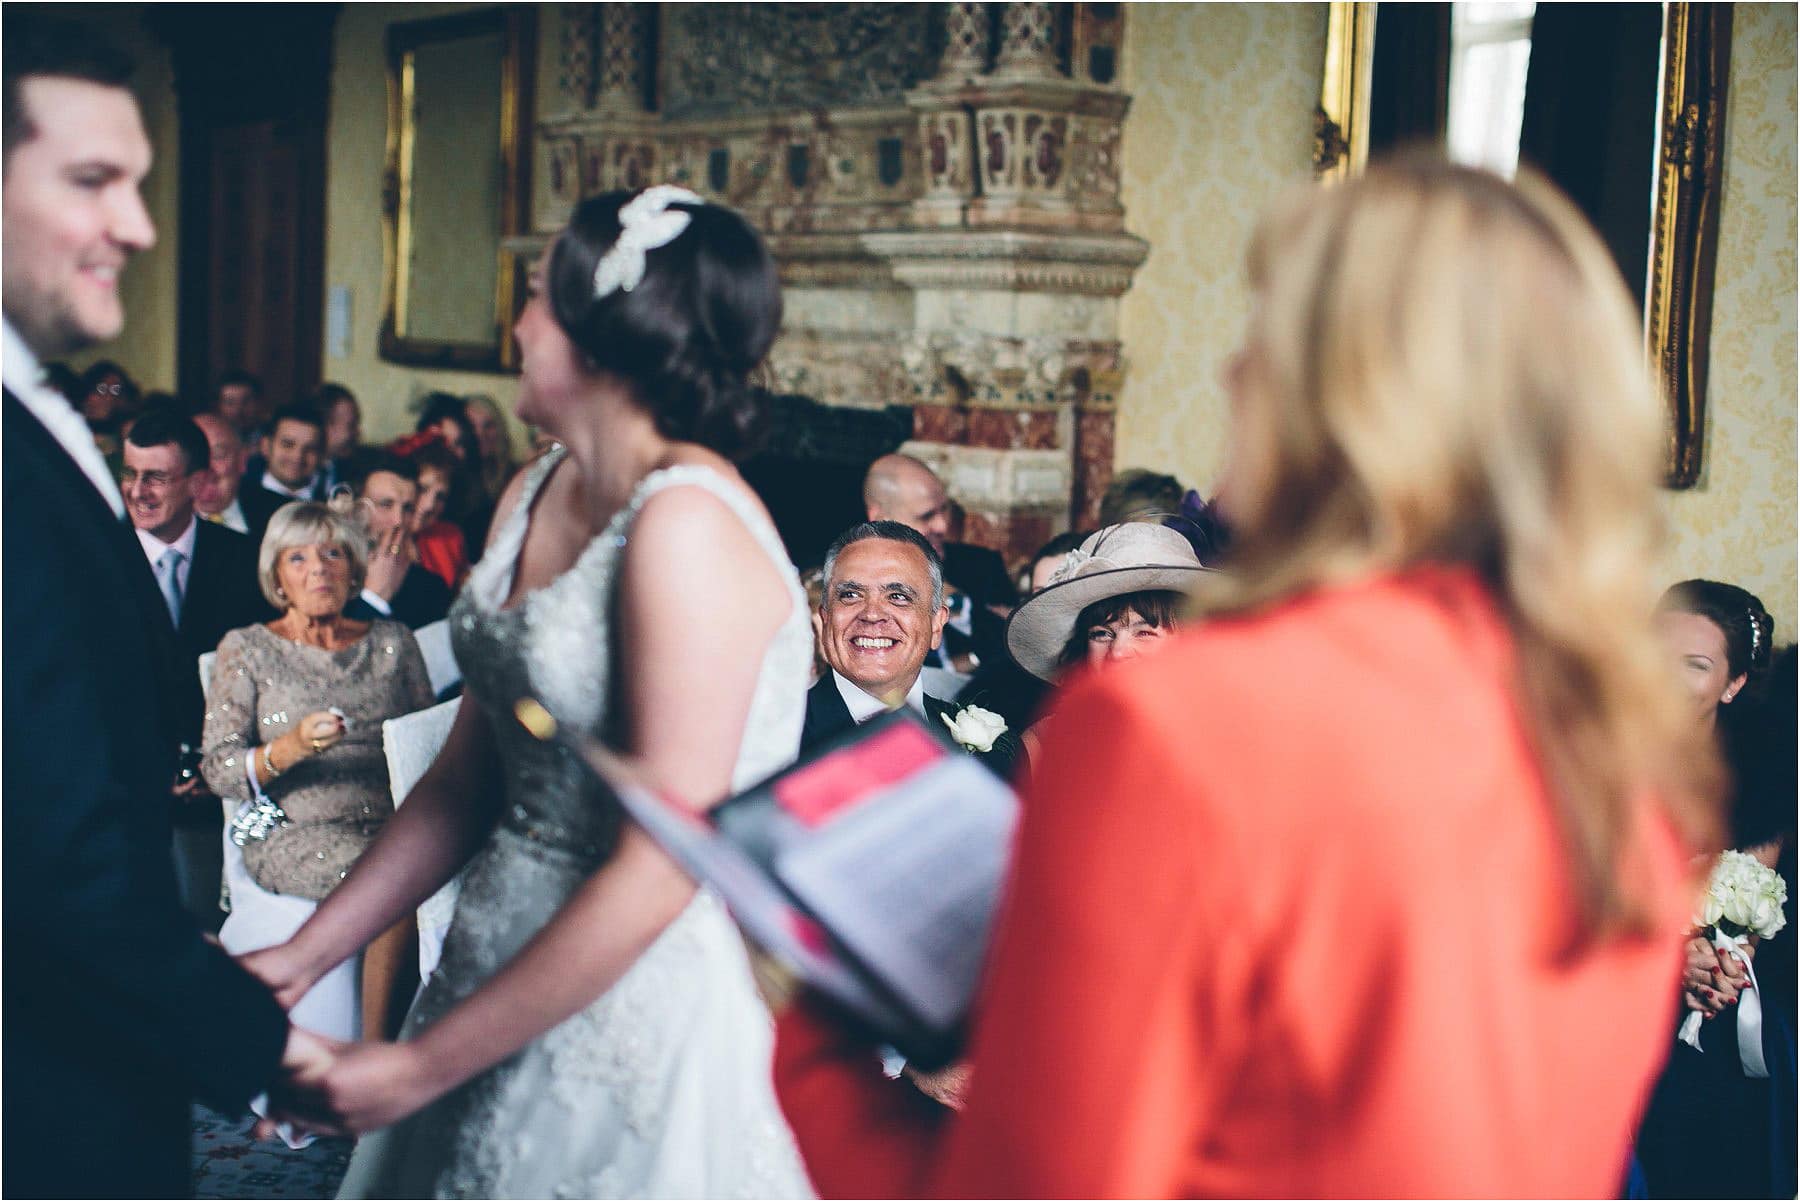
(943, 204)
(729, 59)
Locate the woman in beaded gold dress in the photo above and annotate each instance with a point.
(293, 735)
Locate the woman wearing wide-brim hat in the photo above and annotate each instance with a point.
(1135, 570)
(1116, 596)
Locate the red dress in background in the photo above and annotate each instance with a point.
(1283, 921)
(444, 553)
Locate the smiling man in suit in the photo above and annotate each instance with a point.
(881, 611)
(206, 574)
(117, 1012)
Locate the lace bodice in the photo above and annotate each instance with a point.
(556, 644)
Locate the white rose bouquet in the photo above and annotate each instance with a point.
(1743, 897)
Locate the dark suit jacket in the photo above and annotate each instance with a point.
(827, 715)
(259, 505)
(222, 592)
(981, 573)
(421, 600)
(116, 1011)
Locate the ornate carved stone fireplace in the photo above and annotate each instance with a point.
(941, 186)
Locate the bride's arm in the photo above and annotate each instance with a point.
(699, 603)
(441, 824)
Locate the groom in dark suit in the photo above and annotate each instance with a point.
(117, 1012)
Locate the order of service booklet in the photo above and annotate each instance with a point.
(871, 868)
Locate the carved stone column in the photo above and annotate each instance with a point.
(576, 54)
(946, 124)
(1027, 42)
(965, 42)
(626, 155)
(624, 58)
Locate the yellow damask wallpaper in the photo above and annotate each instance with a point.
(1738, 525)
(1220, 123)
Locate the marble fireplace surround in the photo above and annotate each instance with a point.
(940, 184)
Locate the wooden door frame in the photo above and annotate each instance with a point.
(236, 64)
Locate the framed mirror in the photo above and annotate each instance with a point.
(1623, 106)
(456, 188)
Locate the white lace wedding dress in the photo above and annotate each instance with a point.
(661, 1088)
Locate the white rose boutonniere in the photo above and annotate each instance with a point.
(975, 728)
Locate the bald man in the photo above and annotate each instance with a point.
(217, 499)
(901, 488)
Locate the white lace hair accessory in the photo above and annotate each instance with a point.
(646, 223)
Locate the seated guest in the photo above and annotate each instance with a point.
(1048, 560)
(396, 586)
(1724, 1094)
(1371, 883)
(216, 495)
(207, 577)
(442, 547)
(238, 399)
(1137, 494)
(469, 505)
(1117, 596)
(901, 488)
(291, 449)
(293, 734)
(498, 463)
(108, 397)
(341, 417)
(881, 610)
(1000, 684)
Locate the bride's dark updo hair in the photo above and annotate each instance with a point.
(691, 332)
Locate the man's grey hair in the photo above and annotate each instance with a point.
(893, 532)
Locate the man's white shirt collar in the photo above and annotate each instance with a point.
(24, 378)
(232, 517)
(154, 547)
(303, 493)
(863, 707)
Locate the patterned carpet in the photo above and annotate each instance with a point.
(229, 1164)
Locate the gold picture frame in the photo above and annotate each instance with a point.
(1684, 232)
(401, 341)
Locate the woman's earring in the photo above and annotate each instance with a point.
(1726, 699)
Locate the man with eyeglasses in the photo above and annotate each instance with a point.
(207, 577)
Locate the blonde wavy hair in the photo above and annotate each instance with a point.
(299, 523)
(1446, 367)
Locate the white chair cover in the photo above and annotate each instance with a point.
(440, 662)
(412, 742)
(260, 919)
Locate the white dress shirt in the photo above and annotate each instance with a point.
(303, 493)
(154, 548)
(863, 707)
(24, 378)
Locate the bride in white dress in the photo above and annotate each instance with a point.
(593, 1029)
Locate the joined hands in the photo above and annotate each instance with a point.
(330, 1086)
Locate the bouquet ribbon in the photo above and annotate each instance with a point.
(1749, 1012)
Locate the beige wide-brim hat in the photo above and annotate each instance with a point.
(1111, 562)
